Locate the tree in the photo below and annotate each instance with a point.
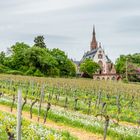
(89, 67)
(66, 66)
(127, 66)
(39, 42)
(68, 69)
(16, 59)
(120, 64)
(36, 60)
(40, 58)
(2, 57)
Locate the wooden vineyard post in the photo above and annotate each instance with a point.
(118, 106)
(66, 102)
(19, 106)
(106, 126)
(46, 113)
(13, 101)
(75, 103)
(89, 105)
(41, 99)
(107, 119)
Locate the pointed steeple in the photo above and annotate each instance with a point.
(93, 44)
(93, 30)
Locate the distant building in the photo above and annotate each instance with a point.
(77, 64)
(97, 54)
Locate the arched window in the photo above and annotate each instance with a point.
(100, 56)
(101, 66)
(108, 78)
(113, 78)
(98, 78)
(100, 63)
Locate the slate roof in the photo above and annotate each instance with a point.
(108, 60)
(77, 62)
(90, 53)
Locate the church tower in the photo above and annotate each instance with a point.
(93, 44)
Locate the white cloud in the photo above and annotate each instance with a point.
(35, 6)
(67, 24)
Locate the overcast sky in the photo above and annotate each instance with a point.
(67, 24)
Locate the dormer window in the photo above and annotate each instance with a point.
(100, 56)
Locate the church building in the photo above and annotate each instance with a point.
(97, 54)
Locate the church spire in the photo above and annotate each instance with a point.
(93, 44)
(93, 30)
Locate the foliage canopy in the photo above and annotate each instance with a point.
(89, 67)
(131, 65)
(37, 60)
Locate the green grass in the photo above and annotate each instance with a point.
(67, 121)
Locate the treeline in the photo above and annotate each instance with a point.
(37, 60)
(129, 67)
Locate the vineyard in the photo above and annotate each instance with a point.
(30, 131)
(108, 109)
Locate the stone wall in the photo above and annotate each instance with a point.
(106, 77)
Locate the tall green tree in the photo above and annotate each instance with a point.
(39, 42)
(128, 65)
(89, 67)
(66, 66)
(40, 58)
(16, 59)
(37, 61)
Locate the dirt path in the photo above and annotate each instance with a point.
(79, 133)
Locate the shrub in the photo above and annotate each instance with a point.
(53, 72)
(38, 73)
(4, 69)
(15, 72)
(30, 71)
(24, 68)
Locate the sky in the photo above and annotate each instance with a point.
(68, 24)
